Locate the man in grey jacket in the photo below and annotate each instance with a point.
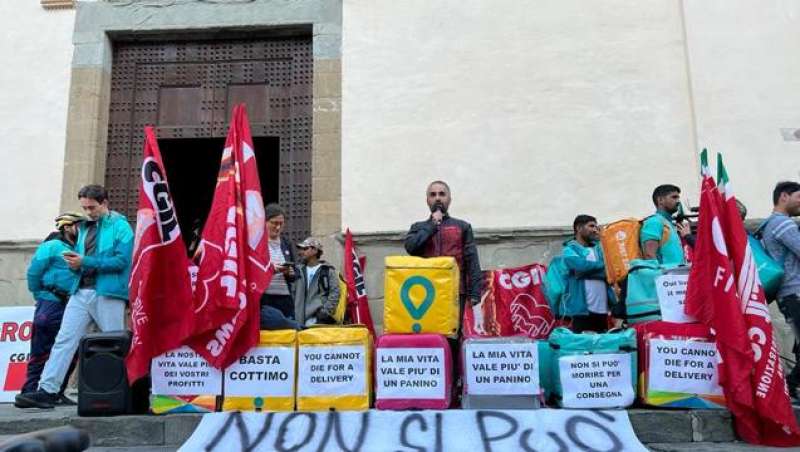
(781, 238)
(316, 291)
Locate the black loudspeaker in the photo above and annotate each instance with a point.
(102, 380)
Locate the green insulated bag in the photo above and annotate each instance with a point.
(770, 271)
(555, 285)
(641, 301)
(591, 370)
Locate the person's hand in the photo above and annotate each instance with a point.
(437, 217)
(288, 271)
(683, 229)
(477, 315)
(73, 260)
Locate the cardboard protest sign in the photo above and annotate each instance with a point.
(416, 373)
(671, 292)
(264, 378)
(333, 370)
(496, 368)
(413, 371)
(183, 382)
(596, 380)
(682, 373)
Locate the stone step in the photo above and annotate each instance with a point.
(655, 447)
(134, 449)
(713, 447)
(662, 430)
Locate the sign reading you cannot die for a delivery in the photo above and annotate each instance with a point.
(331, 370)
(688, 367)
(410, 373)
(495, 368)
(184, 372)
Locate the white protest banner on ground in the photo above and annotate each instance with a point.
(332, 370)
(496, 368)
(452, 430)
(410, 373)
(596, 381)
(688, 367)
(671, 292)
(262, 372)
(15, 348)
(183, 372)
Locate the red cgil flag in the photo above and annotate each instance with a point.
(234, 266)
(777, 425)
(160, 286)
(712, 299)
(357, 303)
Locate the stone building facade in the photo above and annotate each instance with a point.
(532, 111)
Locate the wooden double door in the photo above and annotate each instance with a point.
(187, 89)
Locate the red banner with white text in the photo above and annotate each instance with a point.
(234, 266)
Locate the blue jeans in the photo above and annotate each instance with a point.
(273, 319)
(82, 308)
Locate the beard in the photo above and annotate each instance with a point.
(438, 206)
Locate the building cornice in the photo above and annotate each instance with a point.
(57, 4)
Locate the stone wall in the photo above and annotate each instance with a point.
(14, 260)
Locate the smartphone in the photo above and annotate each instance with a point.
(287, 264)
(69, 253)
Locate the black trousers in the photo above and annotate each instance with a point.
(592, 322)
(455, 353)
(283, 303)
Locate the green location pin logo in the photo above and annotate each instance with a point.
(417, 312)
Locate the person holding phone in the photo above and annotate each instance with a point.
(102, 261)
(50, 280)
(277, 303)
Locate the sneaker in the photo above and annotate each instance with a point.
(36, 399)
(63, 400)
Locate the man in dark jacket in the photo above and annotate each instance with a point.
(443, 235)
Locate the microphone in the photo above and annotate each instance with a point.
(437, 207)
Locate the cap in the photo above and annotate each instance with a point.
(310, 242)
(69, 218)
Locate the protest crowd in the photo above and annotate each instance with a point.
(665, 311)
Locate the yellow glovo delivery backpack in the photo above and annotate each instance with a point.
(421, 295)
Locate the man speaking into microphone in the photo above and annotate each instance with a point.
(442, 235)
